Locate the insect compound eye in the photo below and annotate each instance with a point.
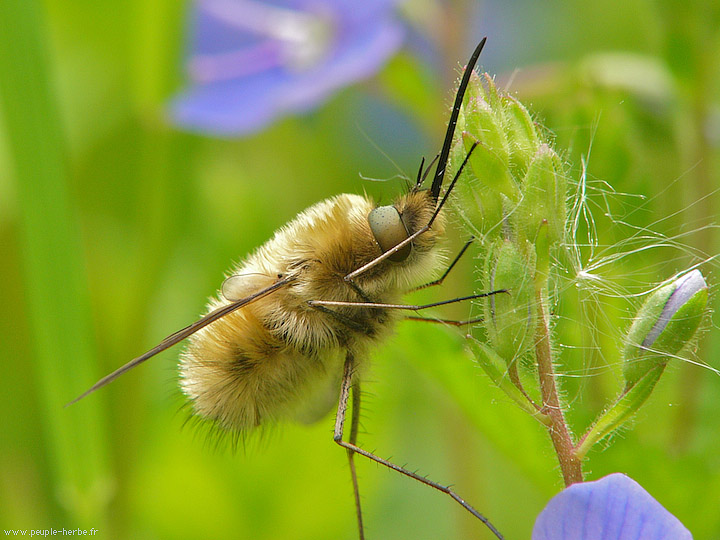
(389, 230)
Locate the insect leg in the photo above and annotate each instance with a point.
(446, 321)
(452, 264)
(317, 303)
(353, 325)
(351, 447)
(345, 387)
(347, 321)
(354, 425)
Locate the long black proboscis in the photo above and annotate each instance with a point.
(450, 133)
(180, 335)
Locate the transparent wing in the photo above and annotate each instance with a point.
(180, 335)
(239, 286)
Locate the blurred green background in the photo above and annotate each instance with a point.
(115, 228)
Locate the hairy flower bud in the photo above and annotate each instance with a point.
(664, 325)
(521, 133)
(509, 318)
(514, 181)
(543, 197)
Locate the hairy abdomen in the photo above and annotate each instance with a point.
(279, 357)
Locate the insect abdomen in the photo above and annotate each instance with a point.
(237, 373)
(280, 357)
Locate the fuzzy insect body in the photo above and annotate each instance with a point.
(281, 357)
(292, 325)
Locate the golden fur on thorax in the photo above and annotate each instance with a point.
(280, 357)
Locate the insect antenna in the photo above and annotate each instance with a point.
(422, 176)
(352, 275)
(439, 171)
(445, 152)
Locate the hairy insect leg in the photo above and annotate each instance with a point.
(410, 307)
(321, 305)
(353, 448)
(354, 425)
(451, 322)
(347, 321)
(346, 386)
(447, 271)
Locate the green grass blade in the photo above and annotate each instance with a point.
(53, 264)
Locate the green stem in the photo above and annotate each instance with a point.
(570, 465)
(497, 370)
(622, 410)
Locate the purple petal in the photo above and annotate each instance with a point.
(212, 35)
(246, 104)
(612, 508)
(356, 12)
(357, 58)
(231, 107)
(687, 286)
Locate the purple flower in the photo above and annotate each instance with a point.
(612, 508)
(252, 61)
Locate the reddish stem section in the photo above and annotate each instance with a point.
(570, 465)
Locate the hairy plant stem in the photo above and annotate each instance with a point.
(570, 465)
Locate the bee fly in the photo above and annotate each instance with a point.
(294, 321)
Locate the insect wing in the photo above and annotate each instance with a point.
(184, 333)
(240, 286)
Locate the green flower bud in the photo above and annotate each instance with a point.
(543, 198)
(542, 255)
(510, 318)
(478, 205)
(664, 325)
(486, 125)
(488, 92)
(510, 166)
(491, 166)
(475, 93)
(521, 133)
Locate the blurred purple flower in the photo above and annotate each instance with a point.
(612, 508)
(251, 61)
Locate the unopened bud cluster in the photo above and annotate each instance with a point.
(512, 197)
(515, 182)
